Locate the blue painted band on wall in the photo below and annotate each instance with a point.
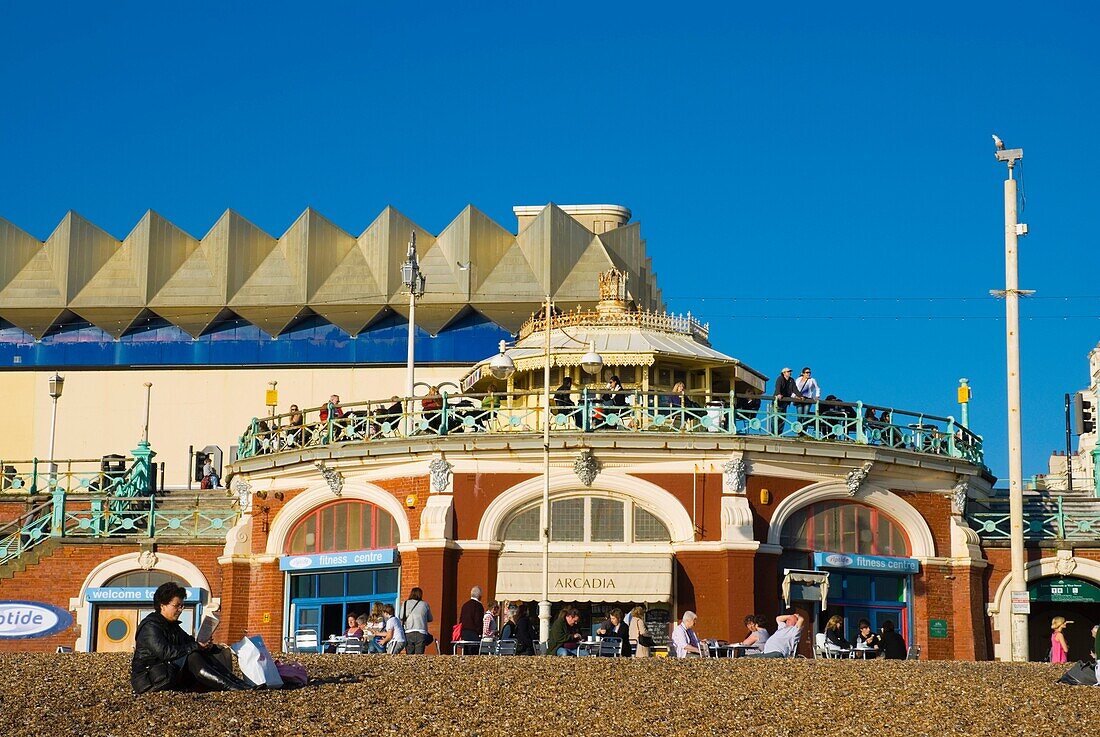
(239, 343)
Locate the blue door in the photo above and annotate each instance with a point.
(307, 628)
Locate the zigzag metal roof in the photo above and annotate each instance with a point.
(314, 267)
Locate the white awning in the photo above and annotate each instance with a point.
(587, 577)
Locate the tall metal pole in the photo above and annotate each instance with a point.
(53, 435)
(964, 402)
(145, 429)
(412, 345)
(1018, 587)
(1069, 444)
(544, 603)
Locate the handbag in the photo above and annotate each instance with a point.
(293, 673)
(156, 677)
(646, 641)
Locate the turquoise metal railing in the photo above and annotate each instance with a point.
(1043, 519)
(102, 498)
(102, 516)
(627, 411)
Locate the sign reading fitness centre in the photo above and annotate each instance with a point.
(347, 559)
(857, 562)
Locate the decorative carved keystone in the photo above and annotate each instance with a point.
(440, 471)
(733, 475)
(586, 467)
(334, 478)
(855, 478)
(958, 497)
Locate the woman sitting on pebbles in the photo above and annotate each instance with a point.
(168, 659)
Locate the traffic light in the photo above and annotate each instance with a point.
(1084, 414)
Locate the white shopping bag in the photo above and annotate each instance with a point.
(256, 663)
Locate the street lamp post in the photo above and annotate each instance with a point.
(1012, 294)
(501, 367)
(413, 280)
(57, 384)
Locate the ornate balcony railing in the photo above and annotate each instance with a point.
(625, 412)
(107, 475)
(1053, 518)
(641, 319)
(105, 516)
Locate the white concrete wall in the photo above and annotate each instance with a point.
(101, 411)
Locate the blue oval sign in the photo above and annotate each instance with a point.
(21, 620)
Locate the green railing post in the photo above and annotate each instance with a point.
(1061, 520)
(152, 515)
(443, 415)
(585, 413)
(329, 422)
(57, 524)
(98, 526)
(34, 478)
(951, 451)
(861, 430)
(139, 480)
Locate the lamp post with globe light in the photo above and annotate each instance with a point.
(57, 384)
(502, 367)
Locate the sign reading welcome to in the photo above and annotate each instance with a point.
(133, 594)
(21, 620)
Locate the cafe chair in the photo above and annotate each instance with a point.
(486, 646)
(350, 645)
(506, 647)
(610, 647)
(913, 653)
(304, 640)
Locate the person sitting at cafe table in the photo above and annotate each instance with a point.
(892, 644)
(757, 637)
(866, 639)
(353, 630)
(615, 627)
(393, 638)
(564, 637)
(783, 643)
(685, 642)
(523, 631)
(834, 634)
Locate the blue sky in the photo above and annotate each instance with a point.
(785, 164)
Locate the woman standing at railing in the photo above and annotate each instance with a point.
(432, 407)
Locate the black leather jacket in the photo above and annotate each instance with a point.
(159, 640)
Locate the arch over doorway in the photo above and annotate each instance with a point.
(921, 543)
(653, 498)
(317, 496)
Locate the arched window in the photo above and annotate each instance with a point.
(143, 579)
(589, 519)
(844, 527)
(351, 525)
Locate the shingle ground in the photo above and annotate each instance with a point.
(84, 694)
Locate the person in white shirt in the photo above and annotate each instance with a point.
(684, 640)
(394, 638)
(783, 643)
(808, 390)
